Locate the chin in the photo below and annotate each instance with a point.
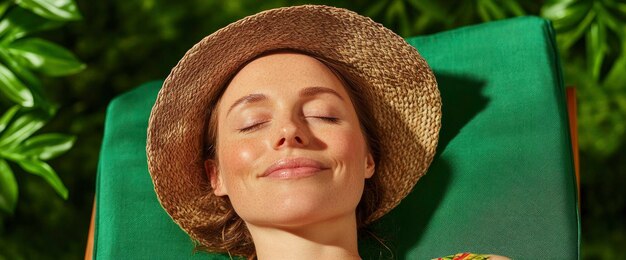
(299, 209)
(297, 203)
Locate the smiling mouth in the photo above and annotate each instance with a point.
(294, 168)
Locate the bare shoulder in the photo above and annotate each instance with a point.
(498, 257)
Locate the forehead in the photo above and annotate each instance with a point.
(280, 75)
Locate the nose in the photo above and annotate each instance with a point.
(291, 134)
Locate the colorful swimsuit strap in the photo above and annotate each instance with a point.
(464, 256)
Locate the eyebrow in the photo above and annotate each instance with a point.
(307, 92)
(252, 98)
(315, 90)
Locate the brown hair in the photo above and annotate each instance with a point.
(232, 235)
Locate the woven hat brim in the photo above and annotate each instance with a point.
(403, 95)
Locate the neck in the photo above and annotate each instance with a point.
(330, 239)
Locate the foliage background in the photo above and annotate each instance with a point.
(126, 43)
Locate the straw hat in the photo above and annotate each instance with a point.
(402, 93)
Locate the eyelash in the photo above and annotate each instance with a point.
(332, 120)
(250, 128)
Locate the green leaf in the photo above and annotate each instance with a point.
(616, 77)
(567, 39)
(514, 7)
(46, 57)
(392, 11)
(557, 9)
(44, 170)
(14, 89)
(29, 79)
(482, 12)
(21, 22)
(422, 22)
(22, 128)
(11, 154)
(8, 188)
(47, 146)
(60, 10)
(491, 7)
(8, 115)
(620, 7)
(376, 9)
(403, 18)
(596, 48)
(611, 22)
(431, 9)
(566, 14)
(4, 6)
(551, 8)
(20, 71)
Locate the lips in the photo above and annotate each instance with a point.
(293, 168)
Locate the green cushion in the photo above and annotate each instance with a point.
(502, 181)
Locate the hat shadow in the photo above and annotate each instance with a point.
(403, 228)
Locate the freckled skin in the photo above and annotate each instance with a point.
(286, 124)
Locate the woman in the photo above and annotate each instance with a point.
(282, 134)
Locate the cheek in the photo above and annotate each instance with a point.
(236, 162)
(350, 151)
(349, 147)
(238, 152)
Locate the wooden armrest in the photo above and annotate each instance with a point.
(89, 249)
(573, 129)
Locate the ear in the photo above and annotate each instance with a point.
(370, 165)
(216, 179)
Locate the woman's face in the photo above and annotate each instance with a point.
(289, 145)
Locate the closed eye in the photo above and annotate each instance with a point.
(333, 120)
(251, 128)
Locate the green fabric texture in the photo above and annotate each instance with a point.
(502, 181)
